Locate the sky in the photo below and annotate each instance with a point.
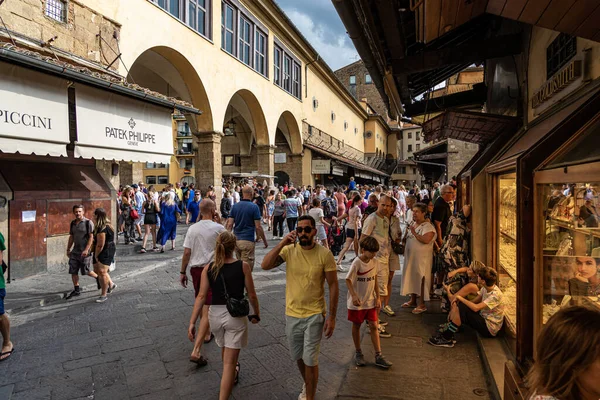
(320, 24)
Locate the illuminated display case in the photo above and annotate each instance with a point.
(568, 227)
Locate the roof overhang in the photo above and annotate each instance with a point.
(472, 127)
(346, 161)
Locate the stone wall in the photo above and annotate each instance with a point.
(459, 154)
(79, 35)
(130, 173)
(363, 90)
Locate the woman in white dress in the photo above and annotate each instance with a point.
(418, 258)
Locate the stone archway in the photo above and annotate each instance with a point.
(281, 178)
(247, 136)
(169, 72)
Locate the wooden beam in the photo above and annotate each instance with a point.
(433, 156)
(477, 95)
(475, 51)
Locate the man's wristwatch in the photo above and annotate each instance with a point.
(182, 272)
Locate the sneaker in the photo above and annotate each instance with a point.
(139, 239)
(440, 341)
(73, 294)
(302, 395)
(381, 362)
(110, 289)
(101, 299)
(359, 359)
(383, 333)
(132, 240)
(340, 268)
(388, 310)
(383, 323)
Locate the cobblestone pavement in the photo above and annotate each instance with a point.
(134, 346)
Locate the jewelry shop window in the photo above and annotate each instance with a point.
(507, 246)
(570, 226)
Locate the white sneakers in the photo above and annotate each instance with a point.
(302, 395)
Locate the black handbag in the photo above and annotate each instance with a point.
(398, 248)
(237, 308)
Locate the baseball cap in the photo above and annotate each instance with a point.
(135, 186)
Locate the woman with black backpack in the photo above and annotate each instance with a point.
(225, 206)
(228, 278)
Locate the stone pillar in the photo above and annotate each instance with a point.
(293, 168)
(265, 161)
(209, 167)
(130, 172)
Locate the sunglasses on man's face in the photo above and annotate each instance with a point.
(306, 229)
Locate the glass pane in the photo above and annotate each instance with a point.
(584, 149)
(352, 80)
(229, 42)
(571, 249)
(174, 7)
(202, 3)
(201, 21)
(192, 15)
(229, 17)
(162, 4)
(507, 246)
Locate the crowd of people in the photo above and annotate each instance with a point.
(379, 224)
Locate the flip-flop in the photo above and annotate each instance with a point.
(408, 305)
(7, 354)
(200, 361)
(419, 310)
(237, 374)
(209, 340)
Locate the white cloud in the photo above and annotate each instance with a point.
(335, 49)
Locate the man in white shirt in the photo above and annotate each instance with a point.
(198, 253)
(235, 196)
(140, 198)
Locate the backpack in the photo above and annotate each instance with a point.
(225, 207)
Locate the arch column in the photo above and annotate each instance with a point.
(265, 154)
(209, 169)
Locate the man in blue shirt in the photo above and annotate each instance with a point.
(292, 205)
(352, 184)
(193, 209)
(246, 218)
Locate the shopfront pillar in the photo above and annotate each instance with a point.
(265, 161)
(209, 167)
(130, 172)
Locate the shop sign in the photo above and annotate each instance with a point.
(33, 107)
(279, 158)
(112, 126)
(337, 170)
(557, 83)
(321, 166)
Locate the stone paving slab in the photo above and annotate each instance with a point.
(135, 346)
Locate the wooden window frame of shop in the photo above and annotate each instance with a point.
(527, 164)
(587, 172)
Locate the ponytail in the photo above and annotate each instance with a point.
(224, 248)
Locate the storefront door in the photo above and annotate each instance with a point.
(27, 237)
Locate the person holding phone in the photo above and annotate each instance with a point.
(308, 266)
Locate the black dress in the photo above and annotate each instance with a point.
(150, 216)
(107, 254)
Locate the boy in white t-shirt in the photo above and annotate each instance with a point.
(364, 301)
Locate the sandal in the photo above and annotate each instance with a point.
(143, 250)
(408, 304)
(419, 310)
(200, 361)
(237, 374)
(8, 354)
(211, 338)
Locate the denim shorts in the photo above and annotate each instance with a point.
(304, 337)
(2, 295)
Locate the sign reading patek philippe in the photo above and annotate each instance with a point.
(33, 106)
(133, 129)
(321, 166)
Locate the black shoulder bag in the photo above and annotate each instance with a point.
(237, 308)
(398, 248)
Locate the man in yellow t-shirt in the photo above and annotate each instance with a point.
(308, 265)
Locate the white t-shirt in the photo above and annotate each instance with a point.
(201, 238)
(362, 276)
(235, 196)
(378, 228)
(494, 313)
(317, 214)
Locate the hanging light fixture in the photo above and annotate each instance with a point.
(230, 129)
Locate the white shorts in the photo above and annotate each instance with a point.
(140, 220)
(383, 272)
(394, 263)
(321, 234)
(229, 332)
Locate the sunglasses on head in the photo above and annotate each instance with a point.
(307, 229)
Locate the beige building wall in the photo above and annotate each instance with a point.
(587, 51)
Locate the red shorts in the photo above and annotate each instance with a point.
(359, 316)
(196, 274)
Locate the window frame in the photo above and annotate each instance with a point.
(555, 50)
(350, 79)
(184, 13)
(368, 79)
(225, 160)
(241, 41)
(225, 30)
(163, 178)
(151, 180)
(258, 56)
(279, 65)
(409, 148)
(296, 79)
(64, 17)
